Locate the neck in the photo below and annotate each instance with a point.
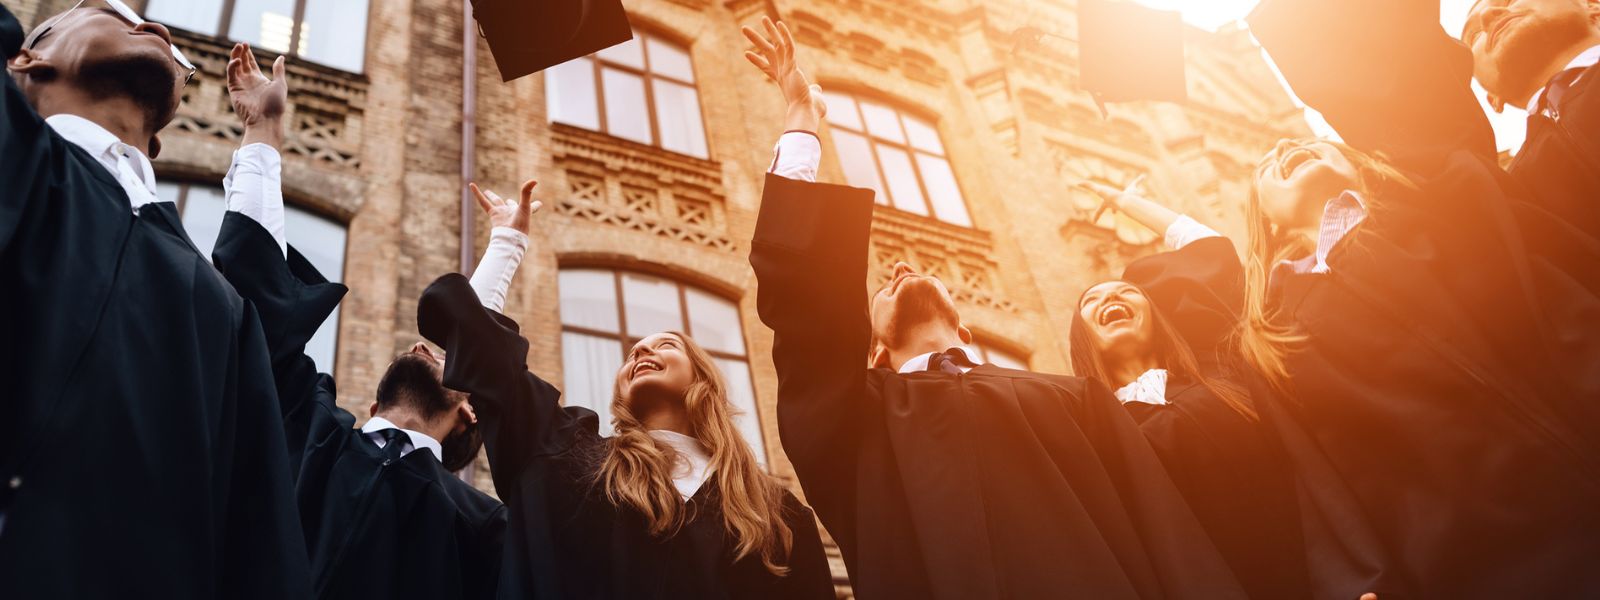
(1123, 372)
(1558, 63)
(409, 419)
(930, 337)
(121, 116)
(669, 416)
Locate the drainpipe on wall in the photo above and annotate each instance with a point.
(469, 134)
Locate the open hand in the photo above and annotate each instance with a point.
(505, 213)
(1110, 196)
(774, 55)
(259, 102)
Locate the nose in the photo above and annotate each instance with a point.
(421, 348)
(156, 28)
(901, 268)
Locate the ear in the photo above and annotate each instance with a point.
(964, 333)
(29, 62)
(465, 412)
(372, 410)
(155, 147)
(880, 358)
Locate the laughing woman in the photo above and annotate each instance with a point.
(672, 506)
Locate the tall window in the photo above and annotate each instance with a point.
(320, 240)
(998, 357)
(642, 91)
(604, 312)
(330, 32)
(897, 155)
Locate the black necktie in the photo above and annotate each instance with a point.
(1550, 103)
(949, 361)
(394, 441)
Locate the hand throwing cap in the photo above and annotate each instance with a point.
(527, 36)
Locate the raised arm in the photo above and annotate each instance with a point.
(1383, 72)
(254, 184)
(1177, 230)
(26, 149)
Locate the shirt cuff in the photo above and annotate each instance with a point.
(492, 279)
(797, 155)
(1185, 231)
(254, 188)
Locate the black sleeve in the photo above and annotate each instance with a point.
(26, 150)
(293, 300)
(810, 259)
(1383, 72)
(1199, 289)
(809, 574)
(486, 357)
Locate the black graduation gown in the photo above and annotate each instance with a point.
(1438, 417)
(995, 483)
(1230, 468)
(406, 529)
(141, 448)
(566, 539)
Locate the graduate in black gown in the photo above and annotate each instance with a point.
(1145, 336)
(382, 514)
(1428, 348)
(671, 506)
(937, 476)
(141, 447)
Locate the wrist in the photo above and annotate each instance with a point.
(265, 131)
(801, 117)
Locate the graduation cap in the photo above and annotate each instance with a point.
(1130, 52)
(527, 36)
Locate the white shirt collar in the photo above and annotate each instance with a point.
(920, 363)
(1339, 216)
(418, 439)
(693, 464)
(1587, 58)
(106, 148)
(1149, 388)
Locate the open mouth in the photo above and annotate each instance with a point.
(1293, 160)
(645, 366)
(1113, 313)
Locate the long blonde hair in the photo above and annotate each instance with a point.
(636, 470)
(1263, 340)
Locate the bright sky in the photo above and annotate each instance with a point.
(1210, 14)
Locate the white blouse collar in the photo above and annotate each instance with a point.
(1149, 388)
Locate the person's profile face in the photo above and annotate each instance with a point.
(658, 365)
(1297, 178)
(1514, 41)
(1118, 318)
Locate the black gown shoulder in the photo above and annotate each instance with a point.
(1200, 289)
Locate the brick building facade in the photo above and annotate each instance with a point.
(652, 179)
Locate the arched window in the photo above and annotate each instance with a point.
(604, 312)
(330, 32)
(897, 155)
(319, 239)
(643, 90)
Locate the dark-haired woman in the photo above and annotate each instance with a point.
(1156, 338)
(671, 506)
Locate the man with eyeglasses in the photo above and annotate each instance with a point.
(142, 451)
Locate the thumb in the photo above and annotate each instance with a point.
(277, 69)
(527, 195)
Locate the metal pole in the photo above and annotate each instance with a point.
(469, 131)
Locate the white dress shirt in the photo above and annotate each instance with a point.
(1185, 231)
(254, 188)
(1339, 216)
(691, 467)
(127, 164)
(375, 425)
(1149, 388)
(920, 363)
(492, 278)
(797, 155)
(1587, 58)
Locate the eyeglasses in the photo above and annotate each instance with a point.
(128, 15)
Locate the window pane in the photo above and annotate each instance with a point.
(743, 396)
(942, 190)
(652, 304)
(263, 23)
(589, 299)
(202, 217)
(200, 16)
(589, 367)
(322, 242)
(923, 135)
(627, 114)
(903, 190)
(168, 192)
(670, 60)
(678, 116)
(334, 33)
(626, 53)
(569, 94)
(855, 156)
(842, 110)
(883, 122)
(715, 322)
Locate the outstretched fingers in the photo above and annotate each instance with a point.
(787, 39)
(278, 67)
(528, 203)
(483, 200)
(761, 43)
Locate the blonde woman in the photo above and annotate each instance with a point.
(672, 506)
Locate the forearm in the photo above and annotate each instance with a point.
(254, 188)
(491, 280)
(1147, 212)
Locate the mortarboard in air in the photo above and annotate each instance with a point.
(528, 36)
(1130, 52)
